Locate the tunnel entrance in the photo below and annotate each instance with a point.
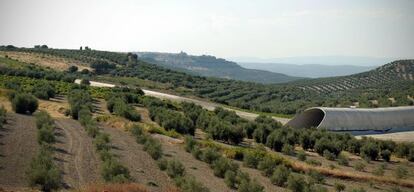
(309, 118)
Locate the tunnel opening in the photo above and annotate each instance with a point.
(309, 118)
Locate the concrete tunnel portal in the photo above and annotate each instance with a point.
(356, 119)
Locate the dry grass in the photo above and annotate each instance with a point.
(44, 60)
(341, 174)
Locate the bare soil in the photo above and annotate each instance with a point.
(142, 167)
(18, 145)
(75, 154)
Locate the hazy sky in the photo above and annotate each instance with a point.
(224, 28)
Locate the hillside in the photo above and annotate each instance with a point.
(308, 70)
(401, 70)
(211, 66)
(86, 138)
(278, 99)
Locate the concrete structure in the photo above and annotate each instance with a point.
(356, 119)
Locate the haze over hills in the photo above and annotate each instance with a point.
(206, 65)
(308, 70)
(322, 60)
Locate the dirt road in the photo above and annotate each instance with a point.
(75, 154)
(17, 148)
(142, 167)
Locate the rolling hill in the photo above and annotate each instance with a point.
(211, 66)
(381, 87)
(401, 70)
(308, 70)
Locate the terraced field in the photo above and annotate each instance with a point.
(391, 72)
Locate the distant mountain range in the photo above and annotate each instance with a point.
(321, 60)
(308, 70)
(206, 65)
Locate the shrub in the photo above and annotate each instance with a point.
(339, 187)
(153, 148)
(401, 172)
(301, 155)
(252, 158)
(306, 141)
(250, 186)
(369, 151)
(268, 165)
(326, 144)
(359, 166)
(162, 164)
(210, 155)
(113, 171)
(2, 116)
(280, 175)
(296, 183)
(42, 117)
(24, 103)
(43, 172)
(386, 155)
(316, 177)
(288, 149)
(328, 155)
(342, 160)
(46, 134)
(197, 153)
(410, 156)
(221, 165)
(189, 184)
(102, 142)
(72, 69)
(175, 169)
(105, 155)
(242, 176)
(44, 91)
(189, 143)
(230, 179)
(121, 108)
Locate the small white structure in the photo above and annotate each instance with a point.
(355, 119)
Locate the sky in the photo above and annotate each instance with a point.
(223, 28)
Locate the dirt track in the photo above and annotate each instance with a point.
(18, 147)
(75, 154)
(142, 167)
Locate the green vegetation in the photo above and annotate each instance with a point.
(42, 171)
(280, 176)
(80, 102)
(224, 167)
(281, 99)
(3, 113)
(23, 103)
(174, 168)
